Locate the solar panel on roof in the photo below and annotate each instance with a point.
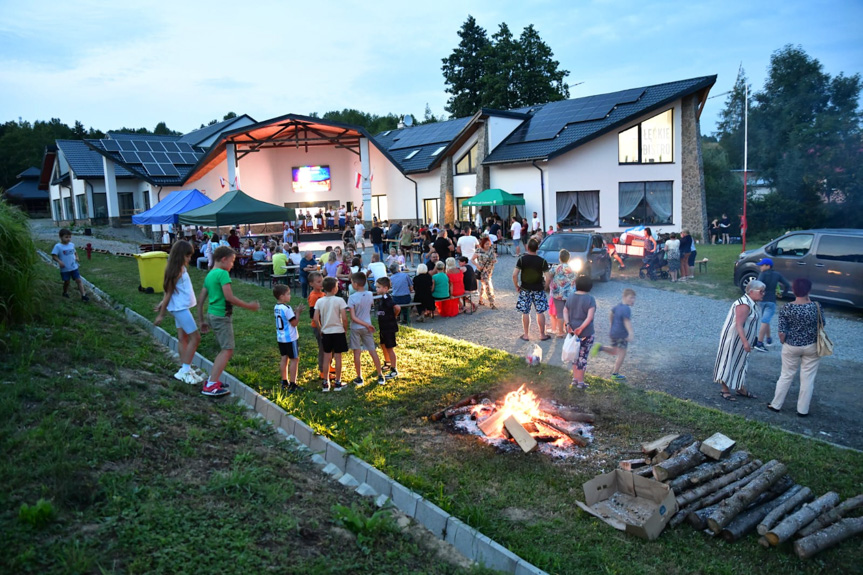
(429, 134)
(157, 146)
(161, 157)
(183, 147)
(146, 157)
(127, 145)
(169, 169)
(111, 145)
(189, 158)
(175, 157)
(154, 169)
(141, 145)
(130, 157)
(170, 147)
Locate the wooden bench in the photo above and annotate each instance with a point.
(702, 265)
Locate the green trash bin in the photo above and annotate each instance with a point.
(151, 269)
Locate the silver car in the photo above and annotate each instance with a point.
(832, 259)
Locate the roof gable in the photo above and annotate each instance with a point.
(413, 148)
(85, 162)
(195, 137)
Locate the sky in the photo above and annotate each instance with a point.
(187, 62)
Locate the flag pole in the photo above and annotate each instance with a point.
(745, 166)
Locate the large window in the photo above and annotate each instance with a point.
(67, 208)
(645, 203)
(430, 211)
(840, 249)
(465, 213)
(650, 142)
(379, 207)
(578, 209)
(57, 214)
(467, 163)
(81, 204)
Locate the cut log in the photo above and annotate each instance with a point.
(644, 471)
(686, 459)
(650, 448)
(493, 424)
(717, 446)
(567, 413)
(731, 507)
(673, 448)
(775, 516)
(469, 400)
(831, 516)
(576, 438)
(793, 523)
(747, 521)
(631, 464)
(698, 518)
(708, 471)
(717, 484)
(519, 434)
(826, 538)
(714, 497)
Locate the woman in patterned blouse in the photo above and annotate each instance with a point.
(484, 259)
(798, 331)
(562, 286)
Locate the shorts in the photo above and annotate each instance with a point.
(72, 275)
(619, 343)
(559, 304)
(359, 240)
(361, 338)
(581, 360)
(692, 259)
(223, 329)
(768, 308)
(526, 297)
(184, 320)
(334, 342)
(289, 348)
(388, 339)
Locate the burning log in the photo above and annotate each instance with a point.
(793, 523)
(831, 516)
(650, 448)
(686, 459)
(772, 518)
(492, 424)
(577, 439)
(521, 436)
(469, 400)
(567, 413)
(718, 483)
(631, 464)
(826, 538)
(747, 521)
(708, 471)
(731, 507)
(670, 450)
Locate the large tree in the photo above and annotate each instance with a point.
(729, 129)
(538, 78)
(463, 70)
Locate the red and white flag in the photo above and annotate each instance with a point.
(222, 181)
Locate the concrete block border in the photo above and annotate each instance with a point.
(349, 470)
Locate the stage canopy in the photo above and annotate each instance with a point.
(235, 208)
(174, 204)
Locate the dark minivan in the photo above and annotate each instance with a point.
(588, 255)
(832, 259)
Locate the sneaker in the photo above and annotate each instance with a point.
(759, 347)
(292, 387)
(181, 375)
(85, 298)
(358, 381)
(338, 385)
(325, 387)
(215, 390)
(392, 374)
(65, 294)
(769, 340)
(618, 377)
(594, 349)
(573, 383)
(382, 380)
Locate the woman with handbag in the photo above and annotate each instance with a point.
(799, 324)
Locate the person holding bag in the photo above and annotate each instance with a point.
(799, 324)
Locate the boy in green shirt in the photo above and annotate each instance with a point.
(217, 292)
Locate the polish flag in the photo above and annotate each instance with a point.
(222, 181)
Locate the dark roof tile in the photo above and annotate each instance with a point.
(86, 162)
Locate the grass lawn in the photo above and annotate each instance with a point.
(526, 502)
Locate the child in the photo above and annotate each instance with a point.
(388, 313)
(621, 333)
(217, 292)
(179, 300)
(578, 317)
(394, 258)
(67, 258)
(287, 336)
(316, 280)
(331, 316)
(360, 309)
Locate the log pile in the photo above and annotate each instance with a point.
(729, 494)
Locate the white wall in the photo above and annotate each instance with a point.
(499, 128)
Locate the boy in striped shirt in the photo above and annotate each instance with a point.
(287, 336)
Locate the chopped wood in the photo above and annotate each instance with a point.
(576, 438)
(697, 518)
(793, 523)
(831, 516)
(718, 486)
(747, 521)
(519, 434)
(493, 423)
(709, 470)
(567, 413)
(673, 448)
(764, 542)
(630, 464)
(530, 427)
(828, 537)
(775, 516)
(469, 400)
(731, 507)
(686, 459)
(717, 446)
(650, 448)
(645, 471)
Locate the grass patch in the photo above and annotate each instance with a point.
(524, 502)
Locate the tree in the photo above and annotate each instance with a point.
(537, 78)
(162, 129)
(730, 128)
(499, 90)
(464, 69)
(723, 189)
(428, 116)
(372, 123)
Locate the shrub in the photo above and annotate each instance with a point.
(36, 515)
(19, 289)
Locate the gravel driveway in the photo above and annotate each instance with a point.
(676, 337)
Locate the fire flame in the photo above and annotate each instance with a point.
(523, 404)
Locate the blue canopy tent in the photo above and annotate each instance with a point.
(168, 210)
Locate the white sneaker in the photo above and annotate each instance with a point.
(181, 375)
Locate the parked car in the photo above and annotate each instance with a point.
(589, 256)
(832, 259)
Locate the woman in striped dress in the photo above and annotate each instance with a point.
(738, 335)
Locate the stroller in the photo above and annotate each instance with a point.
(653, 267)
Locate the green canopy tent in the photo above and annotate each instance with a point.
(494, 197)
(237, 208)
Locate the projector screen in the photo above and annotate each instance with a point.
(311, 179)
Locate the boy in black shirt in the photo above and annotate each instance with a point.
(388, 323)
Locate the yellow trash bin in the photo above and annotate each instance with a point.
(151, 268)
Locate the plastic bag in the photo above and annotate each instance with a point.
(571, 347)
(535, 357)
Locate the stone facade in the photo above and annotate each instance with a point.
(693, 200)
(482, 172)
(447, 196)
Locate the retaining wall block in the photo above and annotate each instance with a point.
(319, 460)
(405, 499)
(332, 469)
(494, 555)
(249, 396)
(337, 455)
(433, 517)
(525, 568)
(366, 490)
(452, 526)
(382, 500)
(466, 540)
(318, 444)
(303, 432)
(380, 482)
(288, 422)
(349, 480)
(358, 468)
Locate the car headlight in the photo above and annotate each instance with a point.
(576, 265)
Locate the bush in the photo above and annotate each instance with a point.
(19, 299)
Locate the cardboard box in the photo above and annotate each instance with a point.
(637, 505)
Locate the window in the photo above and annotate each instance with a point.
(430, 211)
(650, 142)
(578, 209)
(840, 249)
(81, 201)
(439, 150)
(465, 213)
(67, 208)
(467, 163)
(379, 207)
(796, 246)
(645, 203)
(57, 215)
(412, 154)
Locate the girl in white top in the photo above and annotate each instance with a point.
(179, 300)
